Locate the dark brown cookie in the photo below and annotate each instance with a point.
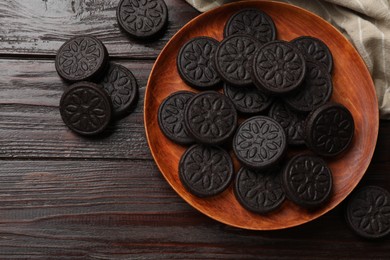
(315, 50)
(248, 100)
(205, 170)
(86, 108)
(278, 68)
(292, 122)
(368, 212)
(195, 63)
(233, 59)
(171, 117)
(307, 181)
(81, 58)
(259, 191)
(260, 142)
(252, 22)
(122, 87)
(316, 89)
(142, 19)
(329, 129)
(210, 118)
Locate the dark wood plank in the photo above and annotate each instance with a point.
(37, 27)
(124, 209)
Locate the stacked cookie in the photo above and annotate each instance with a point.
(279, 91)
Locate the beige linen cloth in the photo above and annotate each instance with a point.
(366, 23)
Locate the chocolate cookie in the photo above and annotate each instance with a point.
(122, 87)
(81, 58)
(233, 59)
(278, 68)
(292, 122)
(315, 50)
(210, 117)
(368, 212)
(86, 108)
(142, 19)
(260, 142)
(171, 117)
(252, 22)
(248, 100)
(329, 129)
(205, 170)
(195, 63)
(307, 181)
(259, 191)
(316, 89)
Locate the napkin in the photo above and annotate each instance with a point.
(366, 23)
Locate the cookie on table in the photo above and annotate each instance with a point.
(278, 68)
(316, 90)
(142, 19)
(260, 142)
(233, 59)
(307, 181)
(195, 63)
(315, 50)
(205, 170)
(292, 122)
(259, 191)
(210, 118)
(171, 117)
(122, 87)
(86, 108)
(248, 100)
(253, 22)
(368, 212)
(82, 58)
(329, 129)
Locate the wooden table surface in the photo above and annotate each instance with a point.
(66, 197)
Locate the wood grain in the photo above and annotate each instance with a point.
(37, 27)
(353, 87)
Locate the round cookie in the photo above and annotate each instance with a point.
(252, 22)
(278, 68)
(260, 142)
(368, 212)
(205, 170)
(81, 58)
(210, 118)
(315, 50)
(122, 87)
(86, 108)
(292, 122)
(316, 89)
(171, 117)
(233, 59)
(329, 129)
(195, 63)
(142, 19)
(307, 181)
(259, 191)
(248, 100)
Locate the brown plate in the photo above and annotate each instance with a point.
(353, 87)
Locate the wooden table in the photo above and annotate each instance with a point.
(67, 197)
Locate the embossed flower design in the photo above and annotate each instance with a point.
(313, 49)
(142, 15)
(310, 179)
(248, 97)
(254, 24)
(119, 86)
(173, 116)
(291, 122)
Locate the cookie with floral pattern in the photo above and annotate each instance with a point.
(205, 170)
(195, 63)
(81, 58)
(142, 19)
(259, 191)
(86, 108)
(307, 181)
(368, 212)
